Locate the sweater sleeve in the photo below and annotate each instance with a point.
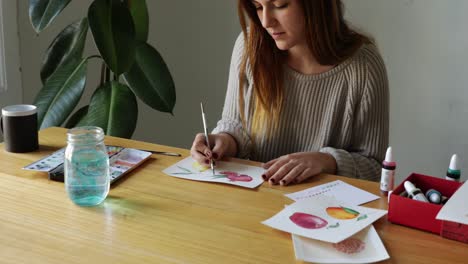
(230, 121)
(370, 126)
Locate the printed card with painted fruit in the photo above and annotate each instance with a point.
(324, 218)
(225, 172)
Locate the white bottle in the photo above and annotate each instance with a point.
(453, 172)
(388, 173)
(414, 192)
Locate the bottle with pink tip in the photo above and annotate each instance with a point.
(387, 179)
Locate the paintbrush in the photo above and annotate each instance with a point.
(206, 136)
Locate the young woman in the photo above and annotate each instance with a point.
(306, 94)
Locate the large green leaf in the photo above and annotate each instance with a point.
(76, 117)
(139, 12)
(61, 94)
(150, 79)
(114, 33)
(43, 12)
(114, 108)
(68, 45)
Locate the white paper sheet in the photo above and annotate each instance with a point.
(324, 218)
(342, 191)
(363, 247)
(456, 208)
(225, 172)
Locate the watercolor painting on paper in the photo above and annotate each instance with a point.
(225, 172)
(363, 247)
(324, 218)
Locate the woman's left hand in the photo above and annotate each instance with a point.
(297, 167)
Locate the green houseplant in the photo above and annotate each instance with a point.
(130, 67)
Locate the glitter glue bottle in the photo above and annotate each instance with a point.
(414, 193)
(453, 172)
(388, 173)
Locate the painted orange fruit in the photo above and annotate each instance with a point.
(342, 213)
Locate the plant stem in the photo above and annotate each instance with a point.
(107, 74)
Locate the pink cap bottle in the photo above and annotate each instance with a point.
(387, 179)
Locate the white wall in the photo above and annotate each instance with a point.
(425, 47)
(424, 44)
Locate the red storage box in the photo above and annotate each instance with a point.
(454, 231)
(417, 214)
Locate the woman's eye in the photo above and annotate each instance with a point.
(258, 7)
(282, 6)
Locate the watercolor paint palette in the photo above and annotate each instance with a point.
(324, 218)
(47, 163)
(124, 161)
(121, 161)
(225, 172)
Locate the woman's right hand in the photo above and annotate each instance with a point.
(223, 145)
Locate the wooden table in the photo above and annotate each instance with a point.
(150, 217)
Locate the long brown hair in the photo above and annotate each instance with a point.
(329, 38)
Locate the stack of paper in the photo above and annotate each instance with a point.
(340, 190)
(364, 247)
(327, 230)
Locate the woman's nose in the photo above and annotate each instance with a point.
(268, 19)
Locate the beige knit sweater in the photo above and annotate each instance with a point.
(343, 112)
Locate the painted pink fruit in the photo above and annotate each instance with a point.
(234, 176)
(308, 221)
(350, 246)
(242, 177)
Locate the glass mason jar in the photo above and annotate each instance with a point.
(86, 166)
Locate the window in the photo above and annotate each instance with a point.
(11, 89)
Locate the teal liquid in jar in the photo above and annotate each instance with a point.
(86, 166)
